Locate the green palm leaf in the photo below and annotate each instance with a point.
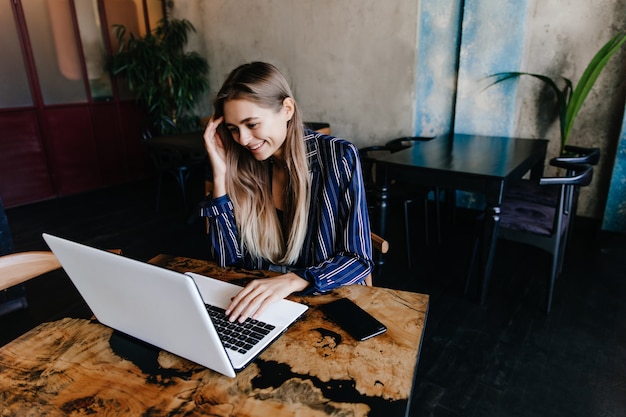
(562, 96)
(165, 79)
(588, 79)
(570, 99)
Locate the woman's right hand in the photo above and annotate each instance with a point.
(215, 148)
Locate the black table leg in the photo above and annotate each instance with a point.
(383, 195)
(382, 179)
(490, 234)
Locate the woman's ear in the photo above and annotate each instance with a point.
(289, 107)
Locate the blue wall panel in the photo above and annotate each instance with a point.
(615, 211)
(493, 39)
(438, 40)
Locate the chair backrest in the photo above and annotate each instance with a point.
(404, 142)
(577, 155)
(547, 218)
(6, 240)
(16, 268)
(165, 158)
(368, 163)
(19, 267)
(580, 155)
(321, 127)
(580, 174)
(378, 244)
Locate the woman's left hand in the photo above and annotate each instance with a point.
(260, 293)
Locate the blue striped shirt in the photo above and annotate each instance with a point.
(338, 249)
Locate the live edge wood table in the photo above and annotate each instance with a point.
(77, 367)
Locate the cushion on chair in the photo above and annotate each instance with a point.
(528, 216)
(531, 191)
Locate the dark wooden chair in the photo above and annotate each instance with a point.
(408, 196)
(529, 190)
(408, 142)
(543, 223)
(321, 127)
(12, 291)
(20, 267)
(17, 268)
(173, 161)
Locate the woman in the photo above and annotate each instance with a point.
(284, 198)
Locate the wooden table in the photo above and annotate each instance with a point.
(474, 163)
(79, 367)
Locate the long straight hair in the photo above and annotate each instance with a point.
(248, 182)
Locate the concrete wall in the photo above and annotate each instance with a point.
(351, 63)
(377, 69)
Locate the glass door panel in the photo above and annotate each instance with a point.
(54, 46)
(14, 87)
(128, 13)
(93, 49)
(56, 140)
(155, 12)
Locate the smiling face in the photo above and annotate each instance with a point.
(262, 131)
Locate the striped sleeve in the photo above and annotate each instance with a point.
(342, 241)
(222, 230)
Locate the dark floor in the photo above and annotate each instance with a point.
(505, 359)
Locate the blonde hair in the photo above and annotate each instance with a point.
(249, 182)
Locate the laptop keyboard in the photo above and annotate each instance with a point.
(240, 337)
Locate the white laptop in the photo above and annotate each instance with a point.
(168, 309)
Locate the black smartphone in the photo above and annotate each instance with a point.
(353, 319)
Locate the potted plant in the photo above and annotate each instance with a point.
(165, 79)
(570, 99)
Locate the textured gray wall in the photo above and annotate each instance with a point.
(351, 63)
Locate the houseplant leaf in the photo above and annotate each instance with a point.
(570, 99)
(562, 96)
(165, 79)
(588, 79)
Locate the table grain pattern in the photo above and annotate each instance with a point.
(77, 367)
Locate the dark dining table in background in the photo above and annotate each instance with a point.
(178, 155)
(475, 163)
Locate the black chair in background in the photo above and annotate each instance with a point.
(320, 127)
(540, 222)
(176, 155)
(179, 165)
(529, 190)
(401, 143)
(14, 298)
(408, 196)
